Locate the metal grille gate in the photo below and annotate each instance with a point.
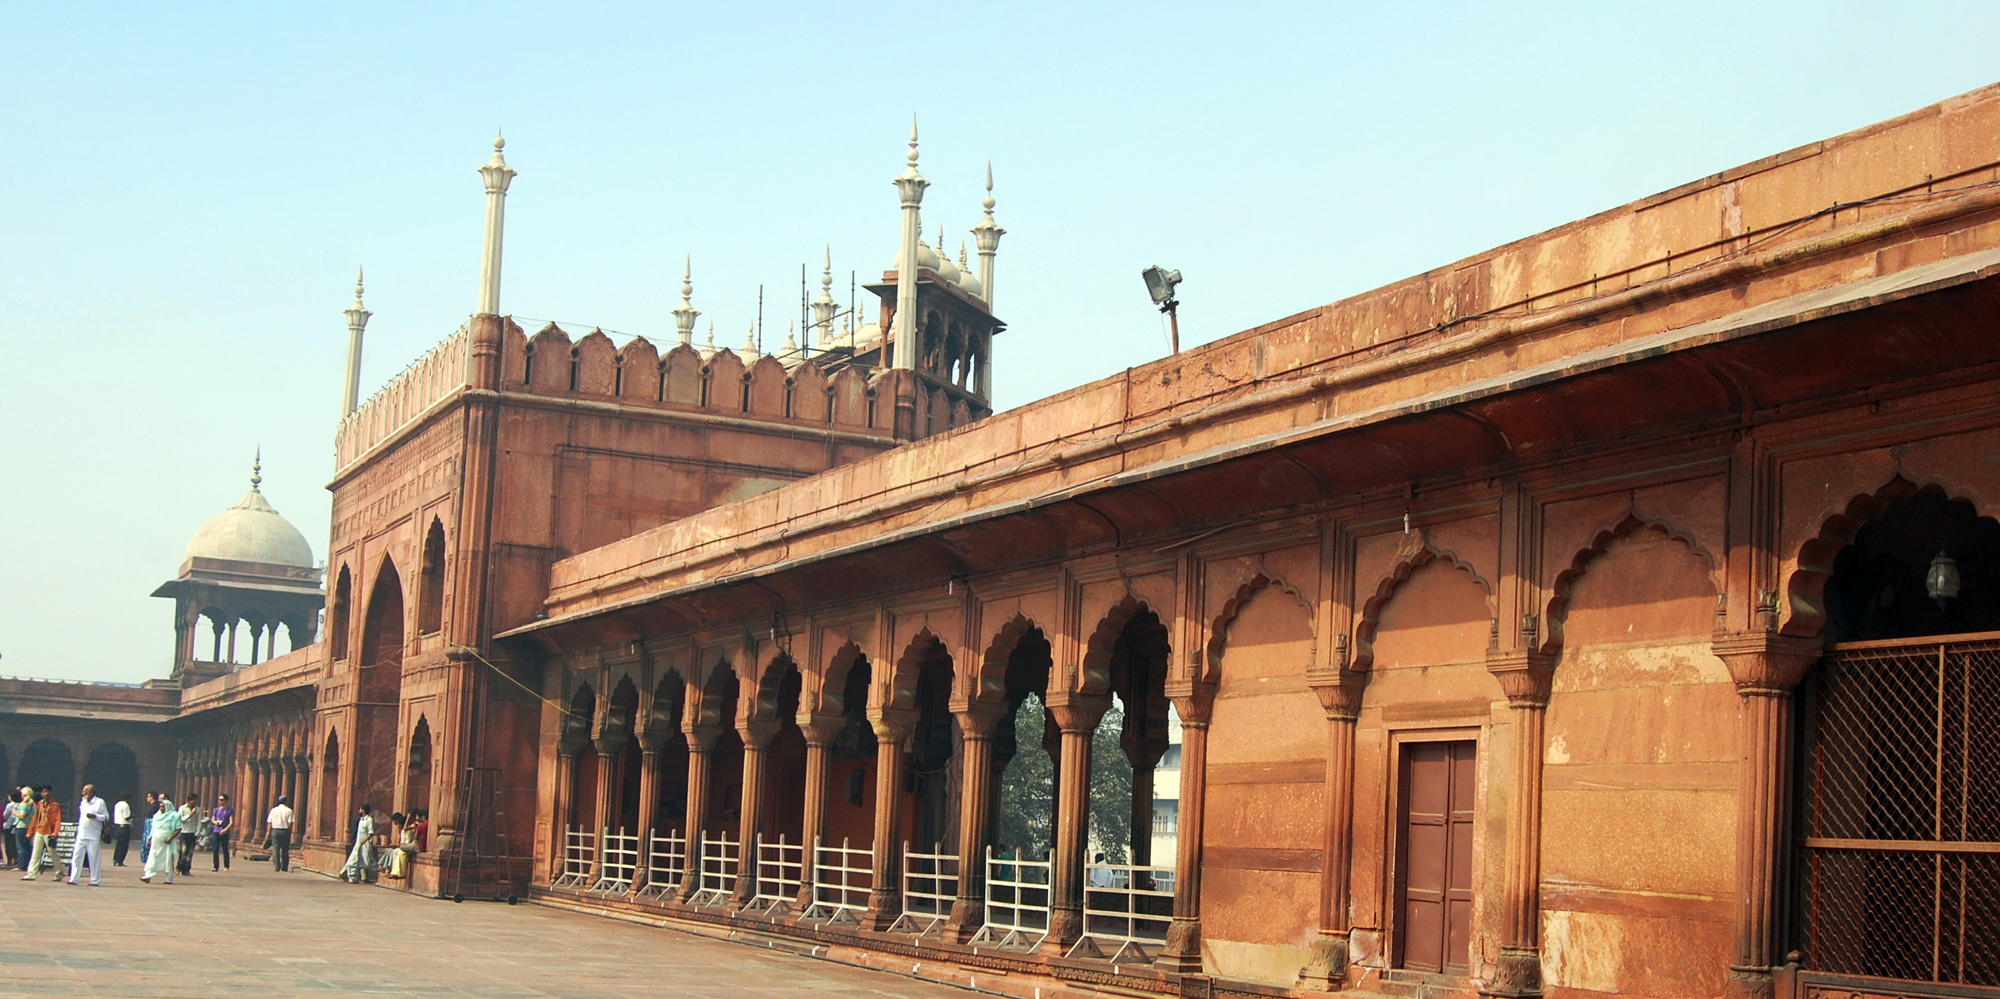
(1898, 867)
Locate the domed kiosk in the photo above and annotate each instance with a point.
(247, 565)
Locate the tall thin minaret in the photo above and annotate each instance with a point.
(987, 234)
(498, 175)
(357, 321)
(823, 307)
(910, 186)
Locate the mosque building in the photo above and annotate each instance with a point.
(1616, 611)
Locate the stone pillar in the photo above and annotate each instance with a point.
(820, 733)
(1766, 667)
(649, 806)
(757, 736)
(1340, 695)
(701, 757)
(1078, 718)
(1181, 953)
(566, 757)
(885, 899)
(607, 773)
(975, 818)
(1524, 677)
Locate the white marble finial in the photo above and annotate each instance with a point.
(913, 142)
(685, 313)
(750, 344)
(257, 469)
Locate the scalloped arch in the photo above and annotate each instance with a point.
(1556, 611)
(1371, 609)
(989, 680)
(1218, 629)
(1805, 588)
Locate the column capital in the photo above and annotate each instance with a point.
(1193, 699)
(822, 729)
(1524, 675)
(1339, 691)
(1765, 662)
(978, 720)
(1080, 713)
(757, 733)
(702, 738)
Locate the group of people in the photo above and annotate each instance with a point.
(169, 834)
(410, 834)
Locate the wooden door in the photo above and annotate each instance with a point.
(1434, 857)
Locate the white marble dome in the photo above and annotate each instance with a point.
(251, 531)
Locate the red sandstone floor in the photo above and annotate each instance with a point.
(256, 933)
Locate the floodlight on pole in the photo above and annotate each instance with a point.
(1160, 283)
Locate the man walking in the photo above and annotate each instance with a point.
(184, 857)
(222, 822)
(121, 816)
(280, 823)
(361, 861)
(91, 815)
(42, 830)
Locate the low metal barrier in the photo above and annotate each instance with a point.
(621, 860)
(842, 878)
(1017, 903)
(578, 852)
(930, 886)
(1126, 906)
(721, 859)
(666, 864)
(780, 872)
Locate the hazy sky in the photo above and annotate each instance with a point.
(185, 191)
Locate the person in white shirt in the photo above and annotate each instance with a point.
(361, 862)
(280, 824)
(121, 816)
(184, 857)
(91, 815)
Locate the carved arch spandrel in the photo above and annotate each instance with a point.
(1107, 607)
(1412, 556)
(1805, 587)
(1556, 610)
(990, 677)
(826, 693)
(896, 698)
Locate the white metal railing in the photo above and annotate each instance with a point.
(842, 878)
(1127, 905)
(666, 864)
(721, 860)
(780, 873)
(1017, 902)
(930, 886)
(579, 849)
(621, 860)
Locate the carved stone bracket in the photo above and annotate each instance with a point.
(1339, 691)
(1524, 676)
(1764, 661)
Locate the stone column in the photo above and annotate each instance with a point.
(1766, 667)
(566, 757)
(1340, 695)
(885, 898)
(701, 757)
(649, 806)
(975, 818)
(1078, 718)
(757, 736)
(1524, 677)
(1181, 953)
(607, 773)
(820, 733)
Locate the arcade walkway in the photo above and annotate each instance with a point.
(253, 933)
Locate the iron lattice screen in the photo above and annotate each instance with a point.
(1898, 866)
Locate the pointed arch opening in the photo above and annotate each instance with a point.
(430, 583)
(337, 622)
(329, 788)
(417, 791)
(380, 687)
(1027, 746)
(850, 813)
(663, 727)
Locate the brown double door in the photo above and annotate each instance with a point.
(1434, 856)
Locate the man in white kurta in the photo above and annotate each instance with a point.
(91, 816)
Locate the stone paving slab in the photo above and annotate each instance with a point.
(253, 932)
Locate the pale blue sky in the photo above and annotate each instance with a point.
(185, 192)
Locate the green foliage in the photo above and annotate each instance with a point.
(1027, 785)
(1110, 790)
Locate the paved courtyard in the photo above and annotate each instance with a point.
(256, 933)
